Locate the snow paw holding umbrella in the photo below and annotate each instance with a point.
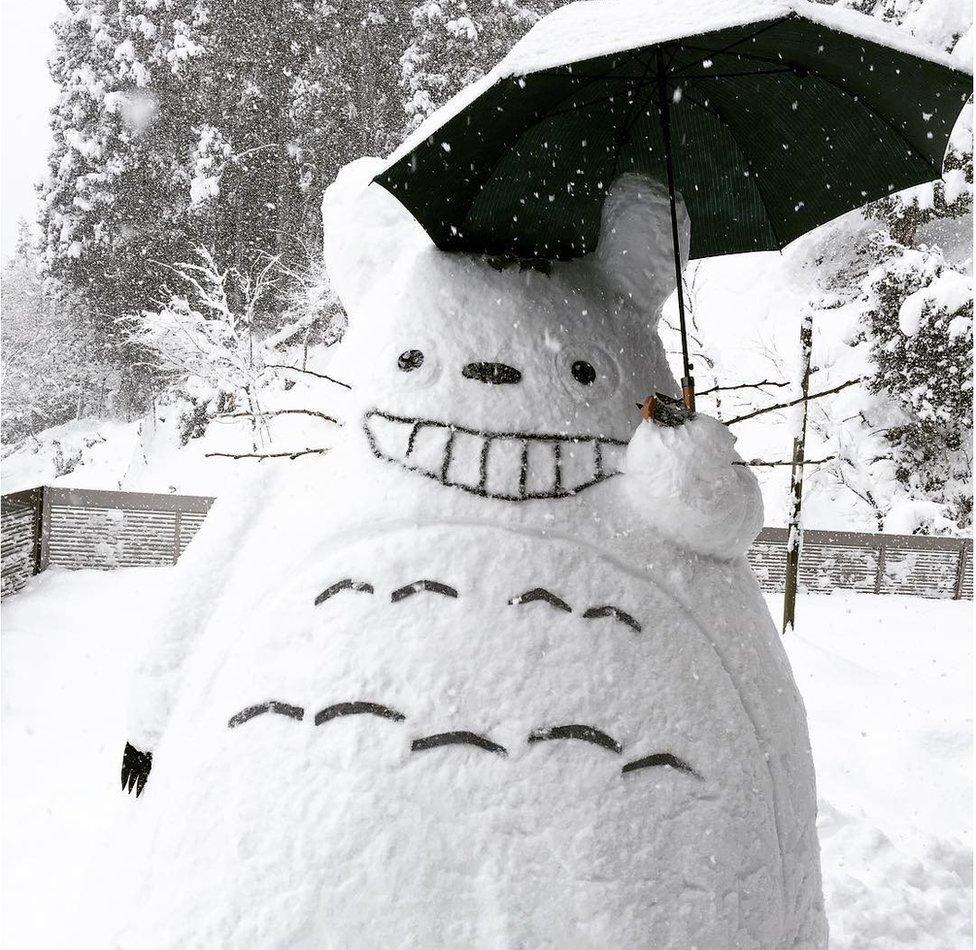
(493, 672)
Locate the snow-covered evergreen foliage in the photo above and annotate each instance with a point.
(453, 41)
(52, 367)
(115, 199)
(921, 328)
(913, 460)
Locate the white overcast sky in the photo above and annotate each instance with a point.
(26, 95)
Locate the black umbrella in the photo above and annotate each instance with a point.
(784, 115)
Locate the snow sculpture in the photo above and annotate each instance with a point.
(494, 672)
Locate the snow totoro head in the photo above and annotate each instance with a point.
(506, 379)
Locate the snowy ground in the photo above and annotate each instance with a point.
(887, 681)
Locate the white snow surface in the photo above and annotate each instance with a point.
(688, 486)
(591, 28)
(890, 721)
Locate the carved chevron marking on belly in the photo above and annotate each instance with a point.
(348, 584)
(658, 760)
(461, 737)
(259, 709)
(608, 610)
(540, 593)
(435, 587)
(576, 731)
(358, 708)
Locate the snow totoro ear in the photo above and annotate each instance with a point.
(635, 249)
(365, 231)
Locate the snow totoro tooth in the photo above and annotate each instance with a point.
(577, 463)
(540, 476)
(504, 468)
(611, 457)
(430, 448)
(389, 436)
(468, 461)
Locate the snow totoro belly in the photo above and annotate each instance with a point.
(401, 749)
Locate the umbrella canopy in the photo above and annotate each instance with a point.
(783, 115)
(769, 118)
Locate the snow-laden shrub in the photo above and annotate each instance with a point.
(311, 313)
(922, 326)
(205, 328)
(921, 329)
(221, 335)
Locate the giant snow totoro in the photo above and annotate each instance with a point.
(494, 672)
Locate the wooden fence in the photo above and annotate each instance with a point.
(78, 527)
(73, 527)
(872, 563)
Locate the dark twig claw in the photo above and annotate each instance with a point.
(136, 766)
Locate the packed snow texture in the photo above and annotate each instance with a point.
(476, 556)
(890, 722)
(340, 829)
(689, 485)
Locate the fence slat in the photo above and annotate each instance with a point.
(78, 528)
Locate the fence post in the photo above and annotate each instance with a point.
(960, 569)
(794, 524)
(43, 549)
(879, 578)
(176, 535)
(37, 504)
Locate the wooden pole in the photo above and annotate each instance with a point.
(794, 537)
(687, 381)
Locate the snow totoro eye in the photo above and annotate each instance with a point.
(583, 372)
(409, 360)
(586, 371)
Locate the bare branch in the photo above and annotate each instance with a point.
(307, 372)
(722, 389)
(265, 455)
(279, 412)
(759, 463)
(795, 402)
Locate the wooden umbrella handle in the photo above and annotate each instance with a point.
(647, 410)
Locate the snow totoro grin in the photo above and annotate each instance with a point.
(510, 466)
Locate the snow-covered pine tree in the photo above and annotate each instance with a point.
(246, 189)
(52, 370)
(453, 42)
(115, 199)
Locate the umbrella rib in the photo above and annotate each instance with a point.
(858, 97)
(754, 72)
(556, 108)
(624, 137)
(577, 108)
(634, 54)
(725, 49)
(772, 24)
(752, 171)
(884, 120)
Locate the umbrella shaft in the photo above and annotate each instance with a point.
(687, 382)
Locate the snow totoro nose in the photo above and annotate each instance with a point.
(494, 374)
